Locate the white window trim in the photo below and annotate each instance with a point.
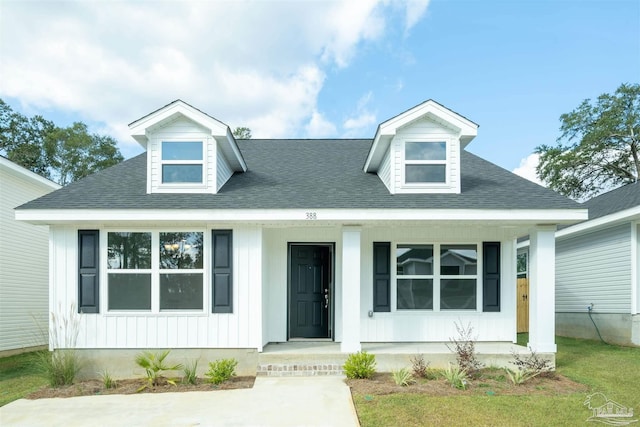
(446, 163)
(183, 185)
(155, 272)
(437, 276)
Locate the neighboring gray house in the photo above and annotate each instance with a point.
(24, 278)
(213, 245)
(597, 263)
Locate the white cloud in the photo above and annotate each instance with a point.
(361, 119)
(255, 64)
(527, 168)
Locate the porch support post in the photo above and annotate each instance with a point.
(542, 292)
(350, 290)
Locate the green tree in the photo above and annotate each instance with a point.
(242, 133)
(60, 154)
(598, 148)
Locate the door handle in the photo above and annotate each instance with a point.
(326, 298)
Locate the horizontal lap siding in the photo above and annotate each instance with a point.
(385, 169)
(24, 275)
(595, 268)
(224, 170)
(240, 329)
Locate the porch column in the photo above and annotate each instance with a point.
(350, 290)
(542, 289)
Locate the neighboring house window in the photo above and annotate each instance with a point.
(182, 162)
(522, 265)
(172, 270)
(454, 273)
(425, 162)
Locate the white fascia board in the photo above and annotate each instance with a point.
(22, 172)
(377, 151)
(351, 216)
(602, 222)
(232, 146)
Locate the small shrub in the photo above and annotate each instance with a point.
(360, 365)
(419, 366)
(190, 375)
(154, 366)
(456, 376)
(221, 370)
(533, 363)
(520, 376)
(465, 349)
(58, 367)
(403, 377)
(107, 380)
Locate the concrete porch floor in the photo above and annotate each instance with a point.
(389, 356)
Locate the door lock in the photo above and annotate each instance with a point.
(326, 298)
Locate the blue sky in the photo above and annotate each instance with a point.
(320, 69)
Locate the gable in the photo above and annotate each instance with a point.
(418, 151)
(188, 151)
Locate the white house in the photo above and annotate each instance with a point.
(597, 265)
(24, 279)
(210, 243)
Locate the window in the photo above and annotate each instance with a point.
(182, 162)
(454, 275)
(425, 162)
(414, 270)
(458, 277)
(172, 269)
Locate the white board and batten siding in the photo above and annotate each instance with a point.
(397, 325)
(595, 268)
(179, 329)
(426, 130)
(24, 307)
(182, 129)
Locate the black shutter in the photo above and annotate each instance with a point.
(491, 276)
(222, 266)
(88, 271)
(381, 276)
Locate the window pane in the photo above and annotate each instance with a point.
(522, 262)
(425, 151)
(181, 250)
(458, 294)
(129, 291)
(181, 291)
(415, 294)
(129, 250)
(425, 173)
(414, 260)
(181, 173)
(174, 150)
(458, 260)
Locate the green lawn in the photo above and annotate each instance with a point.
(611, 370)
(19, 376)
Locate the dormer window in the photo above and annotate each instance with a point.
(182, 162)
(425, 162)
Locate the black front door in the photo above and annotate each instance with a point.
(309, 299)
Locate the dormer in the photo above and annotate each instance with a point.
(418, 151)
(188, 151)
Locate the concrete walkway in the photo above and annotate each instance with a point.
(289, 401)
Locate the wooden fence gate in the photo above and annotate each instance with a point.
(523, 305)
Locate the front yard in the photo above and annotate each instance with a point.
(611, 370)
(596, 367)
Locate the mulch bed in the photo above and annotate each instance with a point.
(489, 382)
(131, 386)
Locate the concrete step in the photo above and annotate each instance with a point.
(299, 369)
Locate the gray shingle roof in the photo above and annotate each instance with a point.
(617, 200)
(304, 174)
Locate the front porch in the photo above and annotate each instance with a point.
(309, 358)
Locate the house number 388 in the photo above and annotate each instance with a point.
(311, 215)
